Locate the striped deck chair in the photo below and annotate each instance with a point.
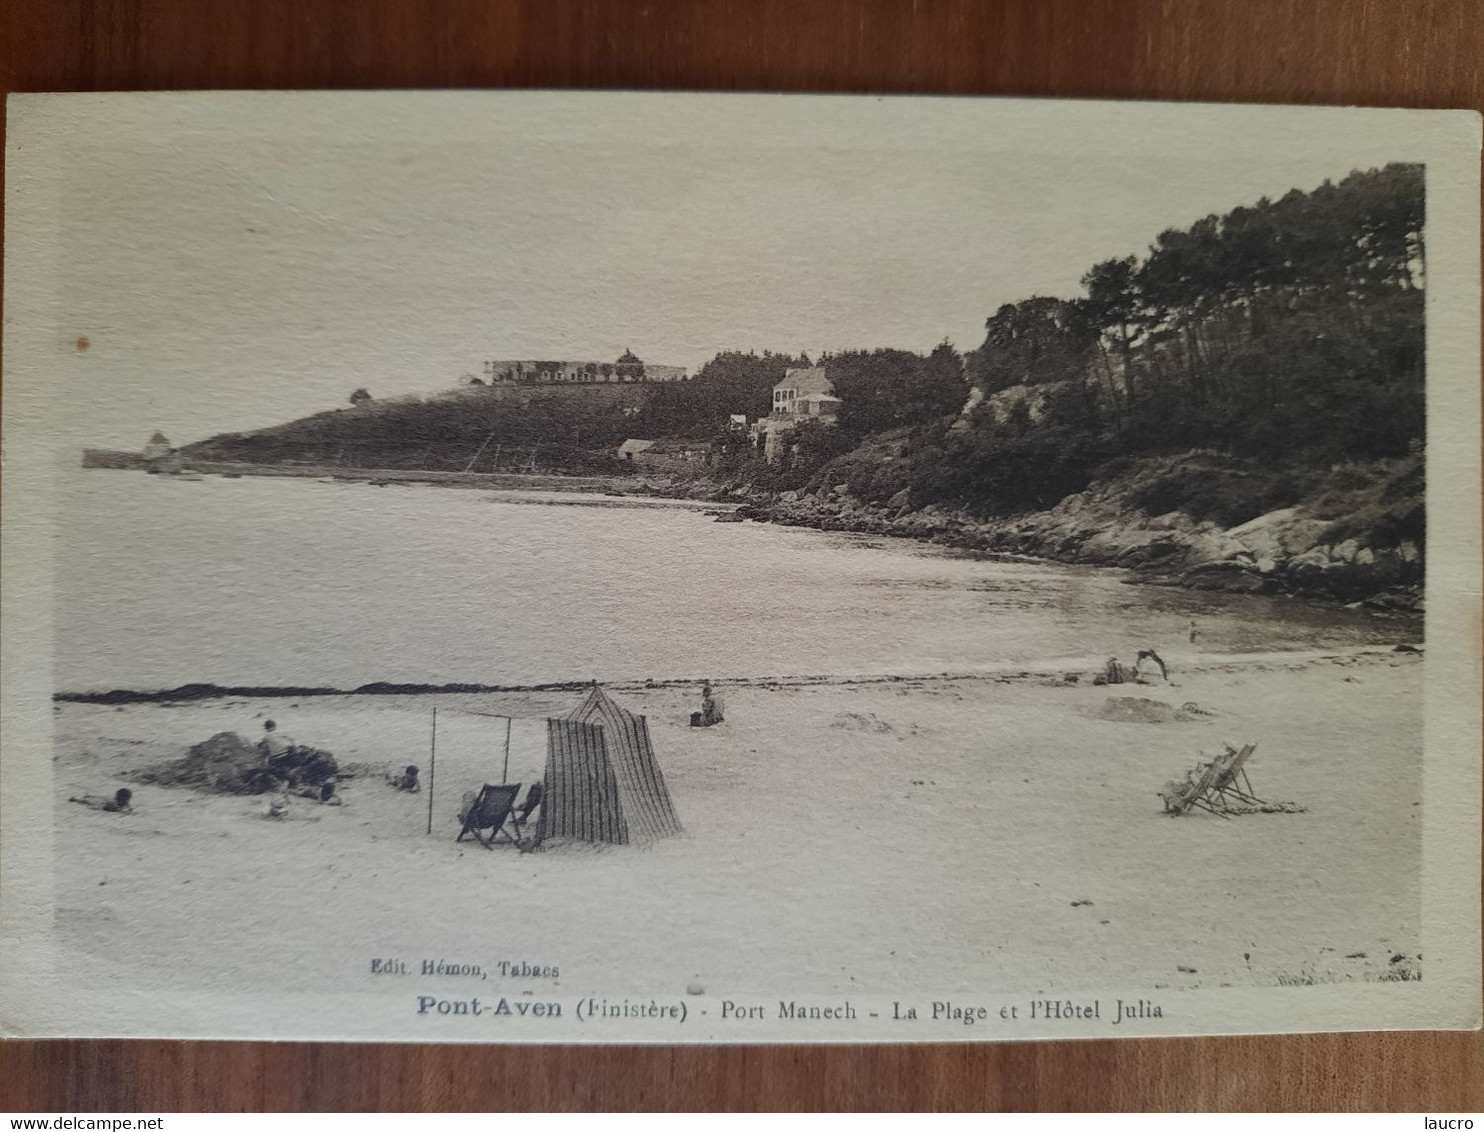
(490, 812)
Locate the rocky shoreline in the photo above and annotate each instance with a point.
(1285, 551)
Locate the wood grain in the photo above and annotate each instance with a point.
(1375, 52)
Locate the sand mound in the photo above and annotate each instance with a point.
(1135, 709)
(219, 765)
(855, 721)
(228, 764)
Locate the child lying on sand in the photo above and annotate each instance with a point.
(118, 804)
(324, 793)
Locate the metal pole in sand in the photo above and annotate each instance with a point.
(432, 767)
(505, 774)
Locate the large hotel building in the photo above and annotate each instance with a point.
(628, 368)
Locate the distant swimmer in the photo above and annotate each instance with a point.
(120, 803)
(407, 780)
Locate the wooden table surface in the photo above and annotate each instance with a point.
(1373, 52)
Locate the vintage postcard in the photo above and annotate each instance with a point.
(609, 567)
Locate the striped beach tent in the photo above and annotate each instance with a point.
(603, 782)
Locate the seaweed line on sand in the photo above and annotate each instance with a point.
(1052, 672)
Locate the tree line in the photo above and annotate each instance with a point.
(1239, 331)
(1289, 333)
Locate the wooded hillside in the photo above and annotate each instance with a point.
(1284, 337)
(1288, 334)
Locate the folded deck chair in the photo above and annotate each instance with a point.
(1232, 782)
(491, 812)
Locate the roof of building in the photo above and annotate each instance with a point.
(629, 446)
(805, 380)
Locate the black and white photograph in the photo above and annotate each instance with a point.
(616, 567)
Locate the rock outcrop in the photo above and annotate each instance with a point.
(1287, 550)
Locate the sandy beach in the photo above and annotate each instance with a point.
(984, 833)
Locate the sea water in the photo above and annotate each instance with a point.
(286, 581)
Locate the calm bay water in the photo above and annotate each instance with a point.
(296, 582)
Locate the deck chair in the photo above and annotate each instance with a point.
(524, 811)
(491, 812)
(1199, 793)
(1232, 782)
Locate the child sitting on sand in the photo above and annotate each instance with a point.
(1176, 794)
(407, 780)
(274, 744)
(120, 803)
(710, 714)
